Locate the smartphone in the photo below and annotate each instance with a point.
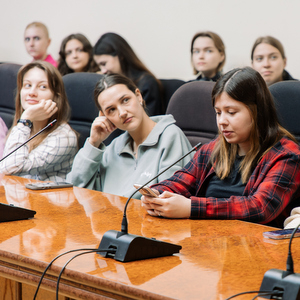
(281, 234)
(47, 185)
(146, 191)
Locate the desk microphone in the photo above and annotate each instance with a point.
(287, 282)
(9, 212)
(49, 125)
(129, 247)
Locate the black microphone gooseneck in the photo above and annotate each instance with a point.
(49, 125)
(130, 247)
(286, 282)
(124, 227)
(289, 262)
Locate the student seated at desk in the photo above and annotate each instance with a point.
(250, 172)
(147, 146)
(40, 98)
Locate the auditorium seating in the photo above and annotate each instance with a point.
(8, 86)
(169, 87)
(80, 93)
(79, 88)
(190, 103)
(286, 96)
(192, 109)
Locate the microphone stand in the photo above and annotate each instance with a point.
(286, 282)
(49, 125)
(129, 247)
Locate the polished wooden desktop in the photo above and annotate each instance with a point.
(219, 258)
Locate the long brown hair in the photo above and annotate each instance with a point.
(247, 86)
(113, 44)
(56, 86)
(87, 47)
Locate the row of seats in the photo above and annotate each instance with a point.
(79, 89)
(286, 95)
(189, 103)
(192, 109)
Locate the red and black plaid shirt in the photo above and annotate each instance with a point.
(270, 194)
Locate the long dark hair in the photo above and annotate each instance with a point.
(87, 47)
(113, 44)
(247, 86)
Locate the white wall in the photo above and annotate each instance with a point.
(160, 31)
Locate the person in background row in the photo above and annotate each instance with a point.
(76, 55)
(37, 41)
(268, 58)
(208, 55)
(40, 99)
(147, 146)
(114, 55)
(251, 172)
(3, 132)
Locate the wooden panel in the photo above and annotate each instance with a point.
(8, 289)
(28, 292)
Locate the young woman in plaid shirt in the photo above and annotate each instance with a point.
(250, 172)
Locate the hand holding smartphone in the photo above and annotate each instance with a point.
(281, 234)
(146, 191)
(47, 185)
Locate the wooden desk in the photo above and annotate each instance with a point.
(218, 258)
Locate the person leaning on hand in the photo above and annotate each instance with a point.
(147, 146)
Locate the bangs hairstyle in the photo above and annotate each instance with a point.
(56, 86)
(218, 44)
(110, 80)
(271, 41)
(247, 86)
(86, 47)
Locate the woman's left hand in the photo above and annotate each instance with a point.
(167, 205)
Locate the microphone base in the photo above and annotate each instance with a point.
(14, 213)
(277, 280)
(130, 247)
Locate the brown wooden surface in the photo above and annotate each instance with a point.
(219, 258)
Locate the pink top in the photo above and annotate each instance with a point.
(50, 60)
